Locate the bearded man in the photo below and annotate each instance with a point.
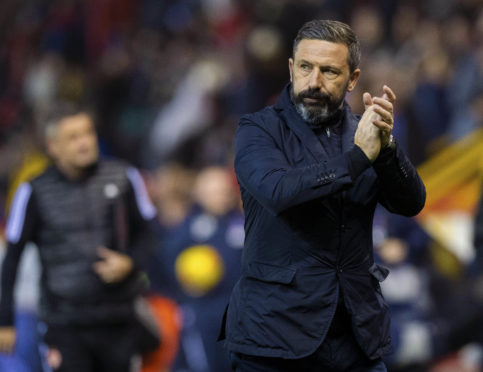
(311, 174)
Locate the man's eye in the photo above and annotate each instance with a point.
(305, 67)
(331, 74)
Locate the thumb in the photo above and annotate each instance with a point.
(367, 100)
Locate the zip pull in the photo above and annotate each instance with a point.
(327, 129)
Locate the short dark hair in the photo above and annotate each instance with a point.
(335, 32)
(61, 111)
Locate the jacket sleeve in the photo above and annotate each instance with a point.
(263, 170)
(402, 190)
(20, 229)
(142, 221)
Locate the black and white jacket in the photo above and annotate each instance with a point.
(69, 220)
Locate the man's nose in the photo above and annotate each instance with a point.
(316, 79)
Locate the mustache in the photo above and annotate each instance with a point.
(313, 94)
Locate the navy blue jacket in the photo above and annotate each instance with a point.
(308, 226)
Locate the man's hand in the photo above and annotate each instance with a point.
(114, 266)
(377, 119)
(7, 339)
(367, 135)
(384, 107)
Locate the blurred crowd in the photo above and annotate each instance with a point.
(168, 81)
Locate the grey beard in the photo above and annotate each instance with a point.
(315, 117)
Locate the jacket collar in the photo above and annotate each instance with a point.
(292, 118)
(89, 171)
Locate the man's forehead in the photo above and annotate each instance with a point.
(75, 122)
(80, 118)
(314, 50)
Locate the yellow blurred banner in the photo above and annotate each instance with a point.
(453, 179)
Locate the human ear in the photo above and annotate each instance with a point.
(290, 68)
(353, 80)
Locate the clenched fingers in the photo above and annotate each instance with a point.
(385, 114)
(383, 126)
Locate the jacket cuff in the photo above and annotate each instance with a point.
(357, 162)
(137, 262)
(385, 156)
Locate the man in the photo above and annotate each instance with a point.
(311, 174)
(90, 219)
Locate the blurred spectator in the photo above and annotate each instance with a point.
(171, 191)
(25, 356)
(163, 73)
(90, 219)
(402, 247)
(432, 315)
(193, 93)
(407, 294)
(202, 260)
(29, 164)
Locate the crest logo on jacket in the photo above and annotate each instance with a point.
(111, 190)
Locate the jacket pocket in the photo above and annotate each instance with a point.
(270, 273)
(379, 272)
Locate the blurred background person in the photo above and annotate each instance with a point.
(90, 219)
(201, 260)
